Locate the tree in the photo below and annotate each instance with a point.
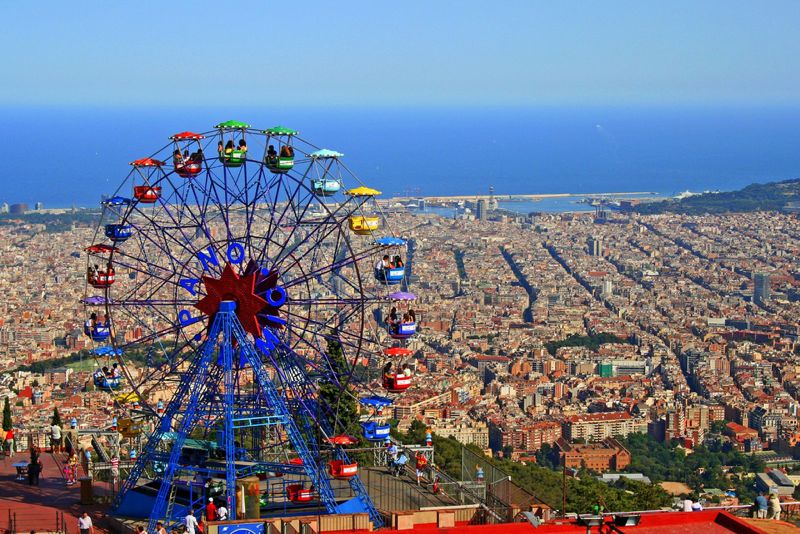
(7, 423)
(56, 418)
(340, 405)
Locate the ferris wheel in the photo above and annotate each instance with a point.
(225, 268)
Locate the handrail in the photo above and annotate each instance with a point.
(441, 475)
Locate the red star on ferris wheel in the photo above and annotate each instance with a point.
(241, 289)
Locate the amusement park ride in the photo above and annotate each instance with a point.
(226, 269)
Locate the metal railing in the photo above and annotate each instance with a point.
(21, 521)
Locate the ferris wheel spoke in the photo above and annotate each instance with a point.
(330, 229)
(165, 249)
(328, 268)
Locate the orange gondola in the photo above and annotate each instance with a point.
(339, 469)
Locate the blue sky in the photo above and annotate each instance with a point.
(413, 52)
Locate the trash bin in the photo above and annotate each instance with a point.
(87, 496)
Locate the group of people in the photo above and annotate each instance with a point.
(394, 321)
(94, 274)
(389, 373)
(95, 327)
(193, 526)
(105, 372)
(181, 160)
(226, 151)
(387, 263)
(272, 156)
(767, 508)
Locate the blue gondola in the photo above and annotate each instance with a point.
(403, 330)
(103, 382)
(390, 277)
(374, 431)
(118, 232)
(326, 187)
(99, 332)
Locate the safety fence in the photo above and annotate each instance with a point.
(14, 521)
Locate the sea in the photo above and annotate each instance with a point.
(70, 156)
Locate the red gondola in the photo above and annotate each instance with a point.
(398, 351)
(397, 383)
(147, 194)
(339, 469)
(296, 461)
(100, 248)
(343, 440)
(101, 279)
(297, 493)
(187, 170)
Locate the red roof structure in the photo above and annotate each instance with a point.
(187, 136)
(147, 162)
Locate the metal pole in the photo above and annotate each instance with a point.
(564, 485)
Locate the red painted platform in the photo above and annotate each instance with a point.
(42, 507)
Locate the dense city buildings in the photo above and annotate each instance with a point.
(537, 330)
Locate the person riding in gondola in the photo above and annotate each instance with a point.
(398, 262)
(392, 321)
(383, 265)
(115, 373)
(242, 146)
(197, 157)
(220, 150)
(177, 159)
(185, 156)
(406, 370)
(287, 151)
(412, 315)
(272, 155)
(106, 372)
(91, 323)
(387, 371)
(228, 149)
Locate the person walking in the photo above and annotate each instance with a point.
(211, 510)
(222, 512)
(85, 524)
(191, 523)
(160, 529)
(774, 507)
(761, 506)
(55, 438)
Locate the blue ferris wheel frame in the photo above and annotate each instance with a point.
(295, 371)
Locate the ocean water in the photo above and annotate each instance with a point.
(70, 156)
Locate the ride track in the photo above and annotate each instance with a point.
(234, 274)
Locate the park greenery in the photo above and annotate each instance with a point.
(583, 491)
(714, 464)
(591, 342)
(771, 196)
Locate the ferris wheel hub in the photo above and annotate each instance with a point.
(238, 291)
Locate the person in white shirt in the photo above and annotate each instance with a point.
(222, 513)
(85, 524)
(191, 523)
(55, 435)
(687, 505)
